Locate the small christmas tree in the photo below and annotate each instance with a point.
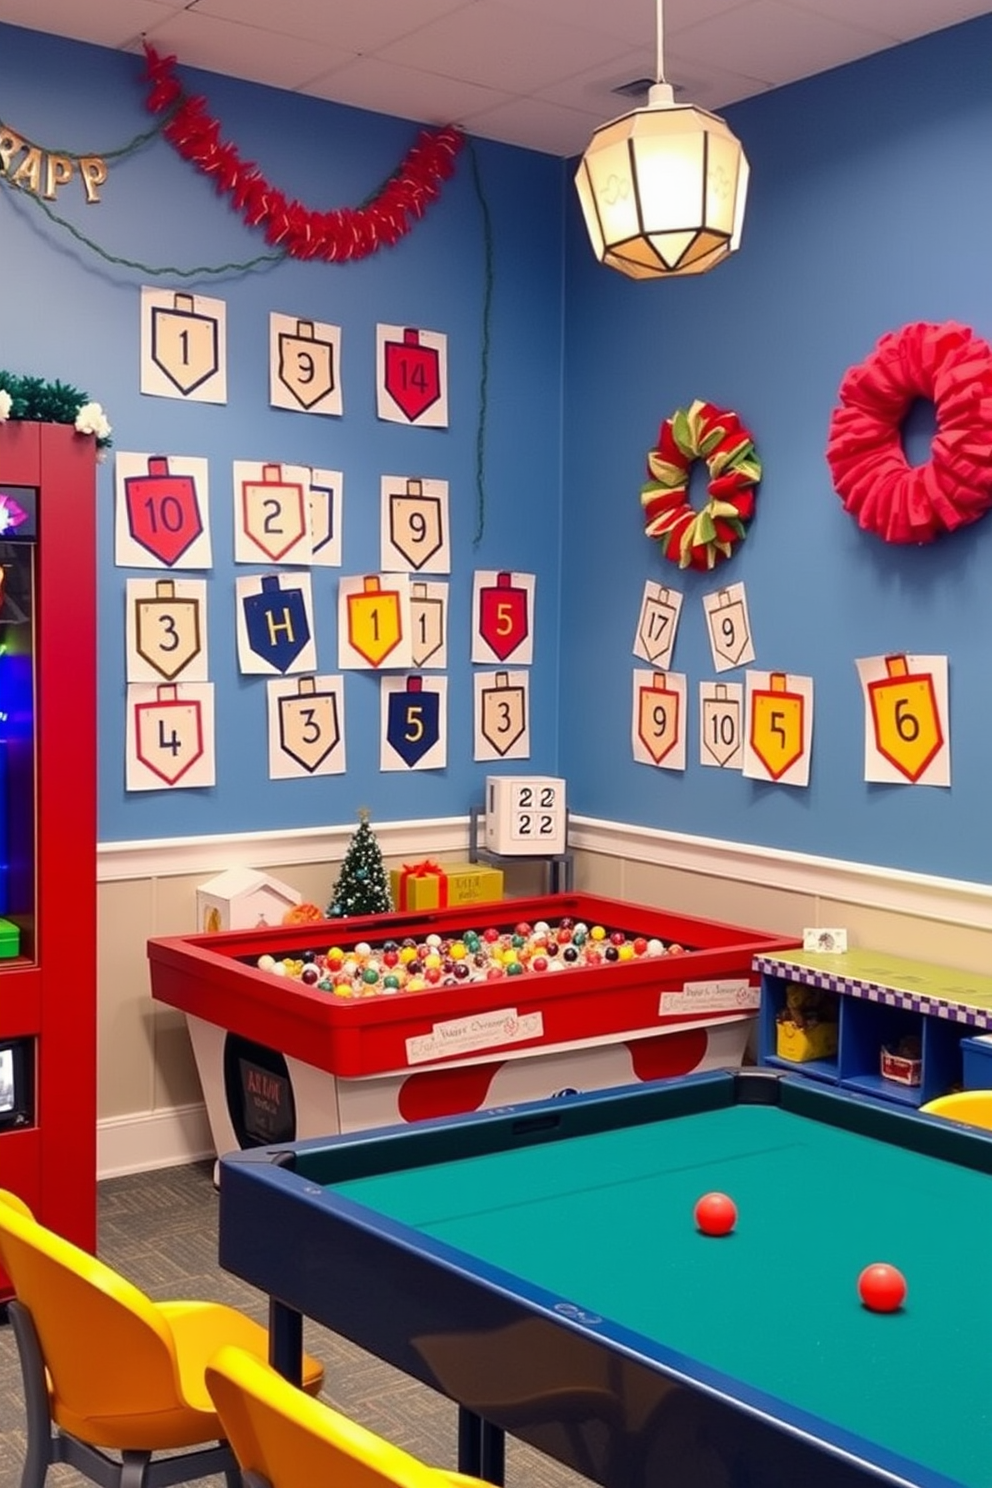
(362, 887)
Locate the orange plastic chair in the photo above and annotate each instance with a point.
(106, 1368)
(284, 1439)
(973, 1107)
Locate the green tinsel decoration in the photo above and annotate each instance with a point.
(34, 400)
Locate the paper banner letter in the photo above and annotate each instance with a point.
(413, 721)
(906, 717)
(168, 734)
(777, 725)
(276, 623)
(273, 515)
(167, 630)
(163, 513)
(309, 728)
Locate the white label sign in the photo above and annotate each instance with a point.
(728, 996)
(487, 1030)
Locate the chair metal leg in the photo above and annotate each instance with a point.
(134, 1467)
(40, 1453)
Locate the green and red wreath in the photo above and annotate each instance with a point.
(700, 539)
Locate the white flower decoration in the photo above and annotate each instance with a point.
(91, 419)
(6, 403)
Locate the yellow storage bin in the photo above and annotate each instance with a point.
(816, 1041)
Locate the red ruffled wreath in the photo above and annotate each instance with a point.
(900, 502)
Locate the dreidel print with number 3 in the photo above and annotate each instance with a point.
(503, 713)
(163, 511)
(906, 718)
(167, 630)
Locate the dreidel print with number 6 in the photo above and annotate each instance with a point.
(906, 718)
(273, 514)
(163, 511)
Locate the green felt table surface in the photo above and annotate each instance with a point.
(606, 1220)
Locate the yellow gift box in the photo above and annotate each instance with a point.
(816, 1041)
(430, 885)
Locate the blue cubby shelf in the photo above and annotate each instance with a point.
(882, 1000)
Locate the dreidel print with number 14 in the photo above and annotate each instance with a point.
(906, 718)
(412, 374)
(163, 511)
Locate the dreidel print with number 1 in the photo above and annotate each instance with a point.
(375, 623)
(906, 718)
(163, 511)
(185, 345)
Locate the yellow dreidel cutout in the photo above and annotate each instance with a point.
(375, 626)
(906, 718)
(778, 719)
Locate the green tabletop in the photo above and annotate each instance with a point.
(606, 1220)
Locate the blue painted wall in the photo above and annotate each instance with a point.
(67, 312)
(870, 208)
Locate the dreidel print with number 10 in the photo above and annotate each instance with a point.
(167, 630)
(412, 374)
(906, 718)
(306, 365)
(413, 721)
(503, 620)
(375, 625)
(721, 725)
(276, 623)
(659, 717)
(275, 515)
(184, 344)
(778, 721)
(168, 734)
(308, 724)
(163, 511)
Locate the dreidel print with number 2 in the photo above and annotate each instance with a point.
(276, 623)
(659, 717)
(274, 514)
(777, 725)
(504, 623)
(906, 718)
(163, 511)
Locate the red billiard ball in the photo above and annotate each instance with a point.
(715, 1214)
(882, 1288)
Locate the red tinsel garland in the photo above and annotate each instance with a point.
(338, 235)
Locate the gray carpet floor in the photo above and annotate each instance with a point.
(160, 1230)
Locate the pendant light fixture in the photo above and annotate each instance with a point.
(663, 187)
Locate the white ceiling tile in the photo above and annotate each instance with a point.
(112, 23)
(773, 41)
(354, 25)
(538, 125)
(901, 19)
(244, 51)
(366, 82)
(489, 40)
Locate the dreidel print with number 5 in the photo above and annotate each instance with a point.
(413, 721)
(504, 622)
(906, 718)
(778, 725)
(163, 511)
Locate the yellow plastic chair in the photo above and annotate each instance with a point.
(283, 1439)
(106, 1368)
(974, 1107)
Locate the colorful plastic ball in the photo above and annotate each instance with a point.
(539, 963)
(515, 968)
(433, 974)
(625, 952)
(266, 963)
(881, 1287)
(461, 970)
(308, 956)
(655, 948)
(391, 981)
(310, 976)
(570, 954)
(370, 976)
(715, 1214)
(597, 933)
(640, 945)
